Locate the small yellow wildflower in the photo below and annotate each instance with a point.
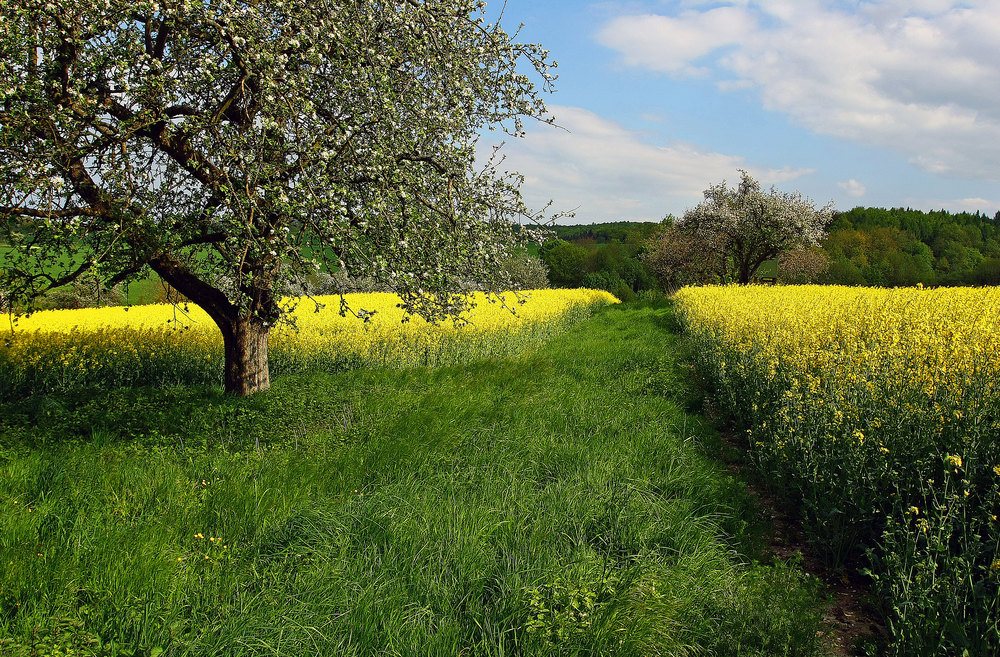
(954, 460)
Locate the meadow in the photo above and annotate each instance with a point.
(873, 412)
(556, 499)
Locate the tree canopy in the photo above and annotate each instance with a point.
(235, 146)
(677, 257)
(745, 226)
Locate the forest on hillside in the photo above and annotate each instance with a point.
(902, 246)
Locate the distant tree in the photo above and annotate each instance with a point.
(746, 226)
(615, 231)
(950, 235)
(902, 246)
(84, 292)
(610, 259)
(526, 272)
(233, 147)
(959, 263)
(987, 273)
(606, 280)
(803, 265)
(677, 257)
(843, 271)
(566, 262)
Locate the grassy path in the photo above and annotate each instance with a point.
(557, 504)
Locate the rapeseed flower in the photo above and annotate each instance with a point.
(166, 344)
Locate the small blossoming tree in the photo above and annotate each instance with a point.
(746, 226)
(677, 257)
(235, 146)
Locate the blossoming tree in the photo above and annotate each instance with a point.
(235, 146)
(745, 226)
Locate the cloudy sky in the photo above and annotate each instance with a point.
(873, 103)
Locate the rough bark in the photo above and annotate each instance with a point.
(246, 369)
(244, 336)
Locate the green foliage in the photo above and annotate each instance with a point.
(555, 504)
(897, 247)
(566, 262)
(601, 256)
(623, 232)
(608, 280)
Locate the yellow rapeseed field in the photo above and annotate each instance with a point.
(876, 413)
(890, 343)
(166, 344)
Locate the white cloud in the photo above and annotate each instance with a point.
(691, 35)
(609, 173)
(853, 188)
(921, 78)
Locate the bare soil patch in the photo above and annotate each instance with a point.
(851, 618)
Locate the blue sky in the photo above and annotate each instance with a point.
(884, 104)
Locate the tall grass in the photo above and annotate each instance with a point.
(559, 503)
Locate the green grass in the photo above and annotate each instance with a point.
(562, 503)
(768, 269)
(138, 292)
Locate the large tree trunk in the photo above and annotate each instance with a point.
(246, 369)
(745, 272)
(244, 334)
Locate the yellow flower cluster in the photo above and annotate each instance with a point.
(931, 337)
(856, 360)
(861, 401)
(165, 344)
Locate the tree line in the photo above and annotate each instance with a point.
(727, 237)
(880, 247)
